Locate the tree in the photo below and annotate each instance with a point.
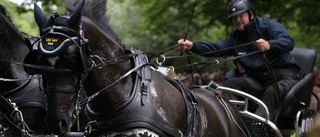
(156, 25)
(165, 21)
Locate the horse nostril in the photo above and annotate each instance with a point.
(63, 126)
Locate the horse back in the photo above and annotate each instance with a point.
(199, 112)
(217, 115)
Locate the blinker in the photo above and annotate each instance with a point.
(56, 39)
(53, 45)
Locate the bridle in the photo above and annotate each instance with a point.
(164, 55)
(95, 61)
(78, 40)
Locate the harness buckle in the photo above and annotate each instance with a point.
(144, 91)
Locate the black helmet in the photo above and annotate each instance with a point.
(237, 7)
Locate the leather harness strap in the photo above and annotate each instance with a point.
(190, 100)
(30, 94)
(144, 73)
(138, 112)
(192, 108)
(27, 95)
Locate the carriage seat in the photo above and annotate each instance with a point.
(299, 96)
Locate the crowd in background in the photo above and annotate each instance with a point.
(201, 78)
(316, 87)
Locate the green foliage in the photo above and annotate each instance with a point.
(22, 15)
(164, 22)
(24, 21)
(154, 26)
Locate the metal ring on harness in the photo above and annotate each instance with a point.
(171, 73)
(163, 59)
(94, 63)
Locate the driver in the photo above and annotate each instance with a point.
(269, 73)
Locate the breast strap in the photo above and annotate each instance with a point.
(139, 112)
(29, 95)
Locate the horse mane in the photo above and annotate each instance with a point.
(96, 10)
(5, 13)
(3, 10)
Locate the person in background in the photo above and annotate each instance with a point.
(271, 71)
(316, 76)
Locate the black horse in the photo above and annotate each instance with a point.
(127, 97)
(22, 89)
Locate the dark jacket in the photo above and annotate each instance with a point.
(279, 39)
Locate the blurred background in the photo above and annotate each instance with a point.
(153, 25)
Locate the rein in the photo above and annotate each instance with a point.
(37, 66)
(168, 51)
(205, 53)
(20, 86)
(115, 81)
(274, 85)
(204, 64)
(21, 79)
(108, 62)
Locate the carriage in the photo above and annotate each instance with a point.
(71, 58)
(296, 117)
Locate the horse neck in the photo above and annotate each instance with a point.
(13, 49)
(107, 48)
(112, 96)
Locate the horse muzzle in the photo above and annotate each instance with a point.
(59, 125)
(61, 105)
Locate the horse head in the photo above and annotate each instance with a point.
(60, 50)
(75, 50)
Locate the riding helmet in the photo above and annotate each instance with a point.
(237, 7)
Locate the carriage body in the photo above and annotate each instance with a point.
(296, 117)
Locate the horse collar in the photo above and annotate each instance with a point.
(19, 88)
(138, 111)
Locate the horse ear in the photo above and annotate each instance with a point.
(40, 17)
(75, 19)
